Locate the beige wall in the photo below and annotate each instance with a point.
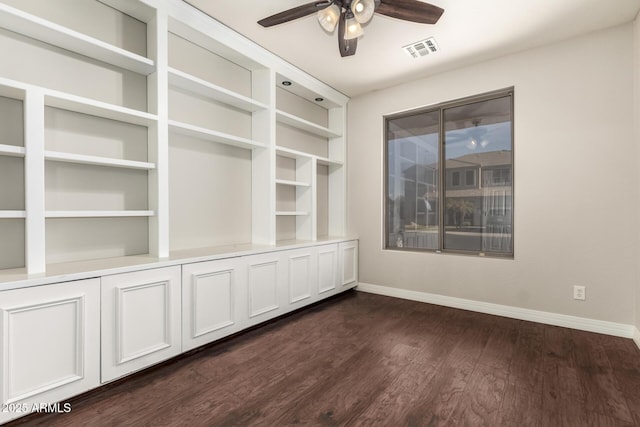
(576, 186)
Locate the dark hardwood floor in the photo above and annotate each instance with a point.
(367, 360)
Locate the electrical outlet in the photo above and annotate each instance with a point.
(579, 292)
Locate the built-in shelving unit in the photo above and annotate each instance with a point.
(154, 161)
(199, 144)
(309, 146)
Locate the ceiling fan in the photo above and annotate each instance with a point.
(347, 15)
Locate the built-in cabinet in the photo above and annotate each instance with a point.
(96, 330)
(164, 183)
(225, 296)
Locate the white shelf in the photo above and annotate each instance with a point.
(91, 107)
(12, 150)
(48, 32)
(295, 154)
(98, 214)
(292, 183)
(213, 136)
(12, 214)
(291, 213)
(201, 87)
(96, 160)
(305, 125)
(327, 162)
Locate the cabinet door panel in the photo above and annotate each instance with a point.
(140, 320)
(327, 269)
(61, 321)
(266, 286)
(263, 288)
(211, 299)
(300, 276)
(349, 263)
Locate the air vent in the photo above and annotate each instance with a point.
(421, 48)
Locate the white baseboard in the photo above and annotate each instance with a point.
(583, 324)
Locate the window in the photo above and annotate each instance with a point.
(497, 176)
(449, 177)
(456, 179)
(470, 179)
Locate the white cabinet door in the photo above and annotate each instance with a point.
(328, 277)
(302, 280)
(213, 301)
(266, 287)
(141, 316)
(50, 344)
(349, 263)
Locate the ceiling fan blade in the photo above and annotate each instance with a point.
(410, 10)
(347, 47)
(294, 13)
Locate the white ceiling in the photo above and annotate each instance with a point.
(469, 31)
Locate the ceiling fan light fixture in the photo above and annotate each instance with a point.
(328, 17)
(353, 28)
(363, 10)
(347, 15)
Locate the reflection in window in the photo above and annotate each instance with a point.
(473, 155)
(412, 187)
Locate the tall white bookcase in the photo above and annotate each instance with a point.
(146, 128)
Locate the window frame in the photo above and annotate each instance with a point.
(442, 173)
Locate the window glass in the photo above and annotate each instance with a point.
(449, 177)
(412, 181)
(478, 136)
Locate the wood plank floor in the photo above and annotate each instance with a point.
(367, 360)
